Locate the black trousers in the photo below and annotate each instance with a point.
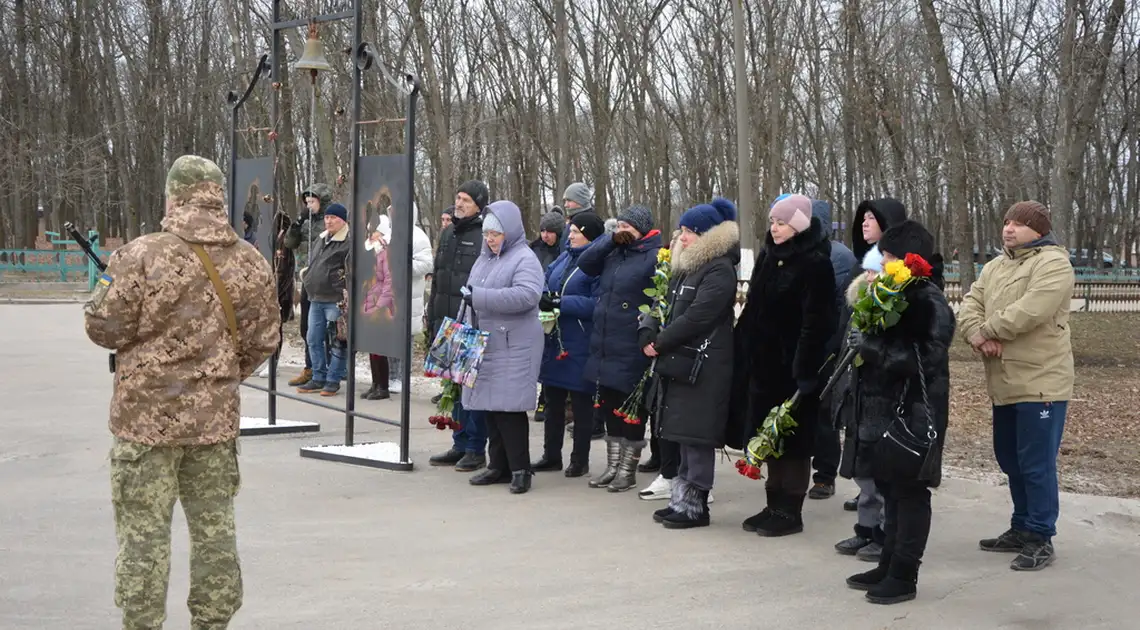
(906, 520)
(827, 448)
(555, 424)
(670, 454)
(610, 400)
(305, 326)
(789, 475)
(508, 447)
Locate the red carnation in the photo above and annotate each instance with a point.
(917, 265)
(561, 355)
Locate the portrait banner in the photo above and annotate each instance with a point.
(253, 199)
(381, 233)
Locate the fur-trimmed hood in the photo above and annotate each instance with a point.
(722, 240)
(857, 283)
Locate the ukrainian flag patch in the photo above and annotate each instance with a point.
(105, 280)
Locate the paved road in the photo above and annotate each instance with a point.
(330, 546)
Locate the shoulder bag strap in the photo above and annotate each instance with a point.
(223, 295)
(931, 433)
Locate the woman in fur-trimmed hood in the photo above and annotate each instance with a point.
(702, 293)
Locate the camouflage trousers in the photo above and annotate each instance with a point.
(145, 483)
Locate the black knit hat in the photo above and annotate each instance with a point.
(639, 217)
(908, 237)
(478, 192)
(589, 224)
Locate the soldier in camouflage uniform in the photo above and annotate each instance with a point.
(302, 237)
(175, 409)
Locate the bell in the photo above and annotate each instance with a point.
(314, 57)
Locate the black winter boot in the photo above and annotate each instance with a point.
(489, 477)
(677, 490)
(752, 522)
(900, 585)
(520, 481)
(786, 517)
(867, 579)
(691, 511)
(863, 537)
(547, 463)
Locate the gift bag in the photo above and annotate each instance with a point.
(457, 350)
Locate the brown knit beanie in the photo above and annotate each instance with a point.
(1032, 214)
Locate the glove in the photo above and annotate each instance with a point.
(549, 302)
(466, 293)
(623, 238)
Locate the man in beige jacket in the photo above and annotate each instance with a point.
(1017, 316)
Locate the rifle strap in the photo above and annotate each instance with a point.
(223, 295)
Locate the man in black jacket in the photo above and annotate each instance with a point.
(459, 247)
(325, 279)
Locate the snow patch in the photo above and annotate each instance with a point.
(252, 423)
(376, 451)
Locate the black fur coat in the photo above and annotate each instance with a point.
(871, 395)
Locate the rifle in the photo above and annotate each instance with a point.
(85, 245)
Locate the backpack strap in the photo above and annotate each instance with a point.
(223, 295)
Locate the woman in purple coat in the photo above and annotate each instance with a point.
(504, 288)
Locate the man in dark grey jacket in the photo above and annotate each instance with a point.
(300, 237)
(827, 449)
(325, 280)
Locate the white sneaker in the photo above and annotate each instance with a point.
(395, 386)
(659, 490)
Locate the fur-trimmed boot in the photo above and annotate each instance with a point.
(870, 579)
(900, 585)
(676, 491)
(692, 509)
(786, 517)
(626, 476)
(613, 455)
(756, 520)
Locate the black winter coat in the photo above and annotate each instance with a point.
(702, 295)
(546, 253)
(871, 394)
(460, 245)
(781, 338)
(624, 273)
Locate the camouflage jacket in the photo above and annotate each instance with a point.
(178, 371)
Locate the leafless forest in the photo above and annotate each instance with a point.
(957, 107)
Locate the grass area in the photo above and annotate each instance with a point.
(1100, 453)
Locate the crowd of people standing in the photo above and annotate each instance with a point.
(705, 378)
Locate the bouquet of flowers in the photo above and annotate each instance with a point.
(880, 305)
(446, 404)
(630, 410)
(550, 326)
(769, 440)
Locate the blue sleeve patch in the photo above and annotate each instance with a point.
(105, 280)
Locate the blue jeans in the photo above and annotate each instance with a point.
(472, 434)
(1027, 438)
(322, 328)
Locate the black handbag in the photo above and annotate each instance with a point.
(684, 363)
(901, 455)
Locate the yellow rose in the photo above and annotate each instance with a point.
(663, 255)
(902, 275)
(892, 268)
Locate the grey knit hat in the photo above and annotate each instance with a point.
(639, 217)
(580, 193)
(552, 222)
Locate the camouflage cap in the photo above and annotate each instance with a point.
(187, 173)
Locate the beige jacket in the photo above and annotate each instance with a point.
(1022, 300)
(178, 370)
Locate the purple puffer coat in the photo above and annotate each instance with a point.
(505, 290)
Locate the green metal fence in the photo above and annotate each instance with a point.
(51, 265)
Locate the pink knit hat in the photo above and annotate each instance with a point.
(795, 210)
